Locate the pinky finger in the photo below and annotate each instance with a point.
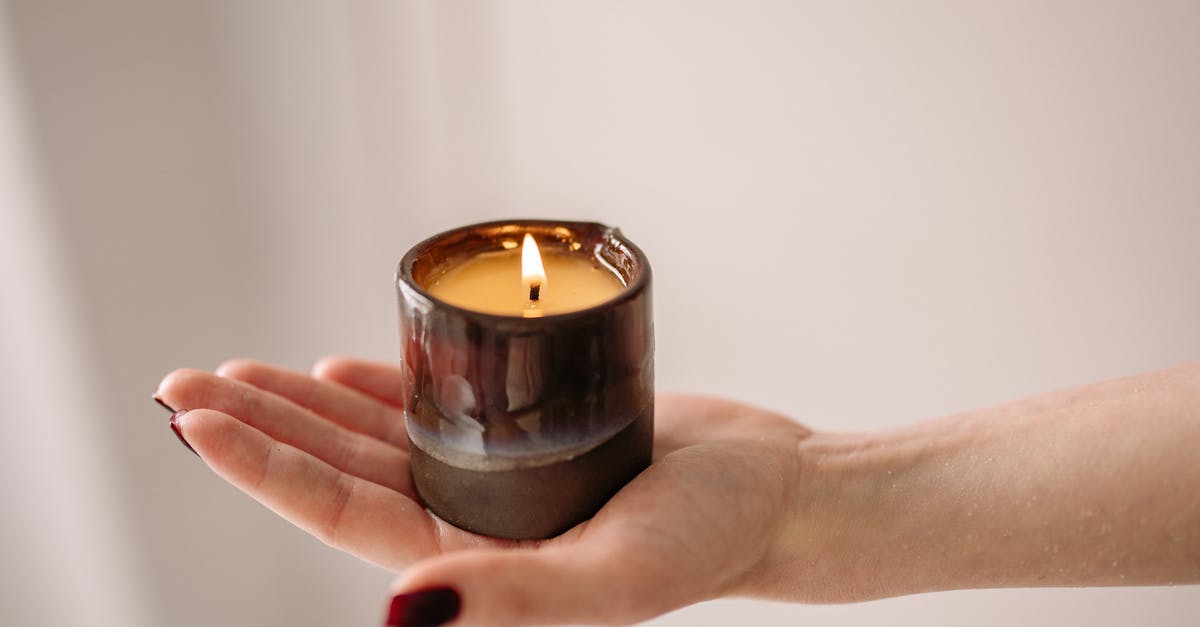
(372, 522)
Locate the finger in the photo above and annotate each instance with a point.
(373, 378)
(368, 520)
(346, 406)
(287, 422)
(556, 584)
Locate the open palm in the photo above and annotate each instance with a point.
(329, 452)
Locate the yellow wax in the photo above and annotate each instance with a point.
(491, 282)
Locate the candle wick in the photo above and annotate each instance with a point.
(535, 291)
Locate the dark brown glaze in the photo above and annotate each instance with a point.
(539, 501)
(523, 427)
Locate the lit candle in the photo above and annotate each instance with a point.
(526, 283)
(528, 372)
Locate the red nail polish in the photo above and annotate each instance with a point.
(159, 400)
(424, 608)
(178, 433)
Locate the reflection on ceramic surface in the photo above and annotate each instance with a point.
(489, 392)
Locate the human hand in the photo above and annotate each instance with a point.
(710, 517)
(738, 500)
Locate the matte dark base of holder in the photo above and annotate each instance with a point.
(533, 503)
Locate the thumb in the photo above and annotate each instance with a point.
(536, 586)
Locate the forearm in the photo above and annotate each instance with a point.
(1098, 485)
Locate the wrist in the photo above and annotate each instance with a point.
(868, 517)
(1087, 486)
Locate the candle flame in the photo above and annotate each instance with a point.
(532, 273)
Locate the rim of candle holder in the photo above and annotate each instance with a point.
(637, 283)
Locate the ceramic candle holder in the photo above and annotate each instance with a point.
(525, 427)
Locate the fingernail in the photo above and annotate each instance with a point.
(424, 608)
(158, 399)
(178, 433)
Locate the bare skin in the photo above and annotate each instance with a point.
(1094, 486)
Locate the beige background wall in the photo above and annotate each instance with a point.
(861, 213)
